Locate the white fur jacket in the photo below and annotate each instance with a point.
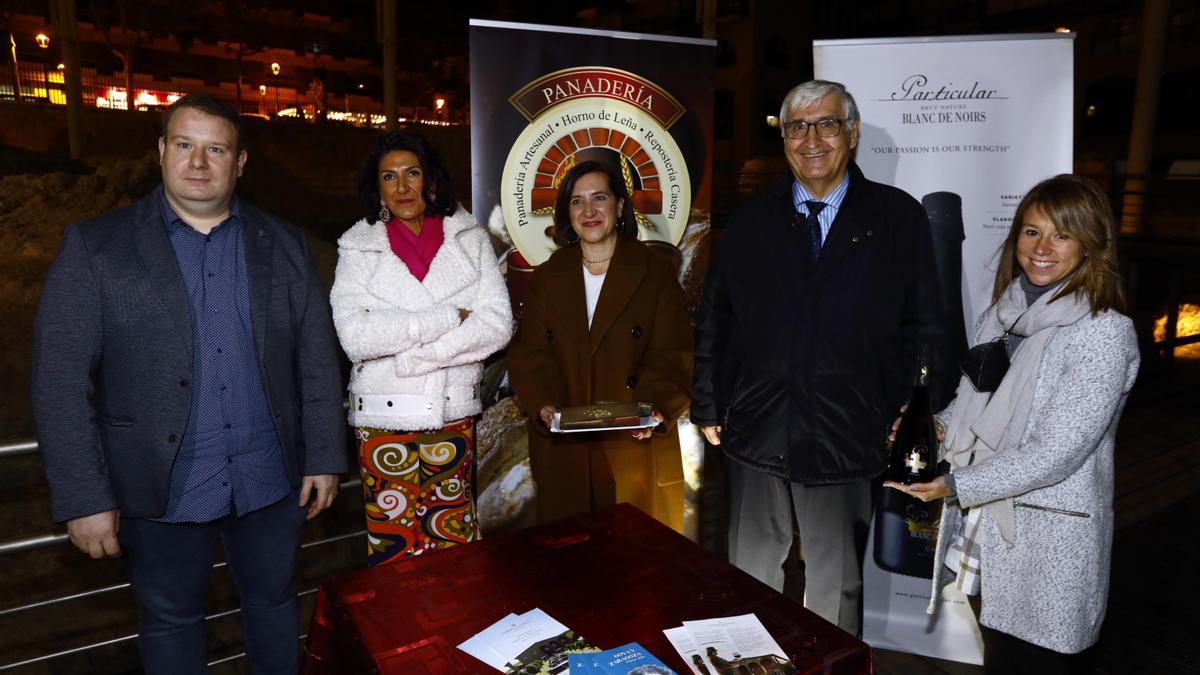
(416, 365)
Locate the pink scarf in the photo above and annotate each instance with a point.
(417, 251)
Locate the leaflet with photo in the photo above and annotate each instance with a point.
(728, 643)
(533, 642)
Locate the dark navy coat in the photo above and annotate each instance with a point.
(805, 363)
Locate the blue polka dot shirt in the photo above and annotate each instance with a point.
(230, 460)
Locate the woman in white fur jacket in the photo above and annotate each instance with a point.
(419, 303)
(1027, 529)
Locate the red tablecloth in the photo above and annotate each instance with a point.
(616, 576)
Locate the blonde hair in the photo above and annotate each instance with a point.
(1079, 209)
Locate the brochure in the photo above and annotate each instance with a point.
(630, 659)
(726, 645)
(527, 643)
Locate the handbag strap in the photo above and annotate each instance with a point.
(1007, 331)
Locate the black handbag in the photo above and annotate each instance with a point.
(985, 364)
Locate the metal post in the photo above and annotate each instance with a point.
(387, 31)
(16, 69)
(708, 18)
(1145, 111)
(72, 82)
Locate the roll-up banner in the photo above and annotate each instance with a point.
(966, 125)
(545, 98)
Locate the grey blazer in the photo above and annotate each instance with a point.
(112, 359)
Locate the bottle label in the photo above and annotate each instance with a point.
(915, 461)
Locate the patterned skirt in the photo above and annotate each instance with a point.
(418, 489)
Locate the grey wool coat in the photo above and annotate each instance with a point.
(1051, 586)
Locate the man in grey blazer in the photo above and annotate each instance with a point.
(186, 389)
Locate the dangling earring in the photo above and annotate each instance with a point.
(384, 214)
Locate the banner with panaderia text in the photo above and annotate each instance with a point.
(547, 98)
(544, 98)
(966, 125)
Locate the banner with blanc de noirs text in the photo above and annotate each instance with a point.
(966, 125)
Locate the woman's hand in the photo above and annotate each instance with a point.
(547, 414)
(937, 428)
(926, 492)
(642, 434)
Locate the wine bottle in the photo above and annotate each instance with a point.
(906, 527)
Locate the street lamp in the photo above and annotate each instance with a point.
(275, 81)
(43, 40)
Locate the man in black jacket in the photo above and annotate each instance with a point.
(186, 389)
(806, 341)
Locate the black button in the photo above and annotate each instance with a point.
(228, 425)
(636, 332)
(211, 275)
(171, 438)
(854, 239)
(207, 239)
(183, 383)
(389, 404)
(630, 382)
(220, 351)
(231, 460)
(224, 484)
(549, 334)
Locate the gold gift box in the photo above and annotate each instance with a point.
(602, 415)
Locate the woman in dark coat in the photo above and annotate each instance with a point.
(604, 320)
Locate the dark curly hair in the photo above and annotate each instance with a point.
(564, 234)
(438, 192)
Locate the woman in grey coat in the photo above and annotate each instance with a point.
(1028, 525)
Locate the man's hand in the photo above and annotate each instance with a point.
(325, 487)
(937, 428)
(96, 535)
(713, 434)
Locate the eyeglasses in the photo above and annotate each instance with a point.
(826, 128)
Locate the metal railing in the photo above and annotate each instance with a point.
(27, 447)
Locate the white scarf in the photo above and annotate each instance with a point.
(983, 424)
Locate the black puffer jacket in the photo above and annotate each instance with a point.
(806, 364)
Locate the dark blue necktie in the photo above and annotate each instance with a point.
(814, 225)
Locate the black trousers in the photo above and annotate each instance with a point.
(1004, 654)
